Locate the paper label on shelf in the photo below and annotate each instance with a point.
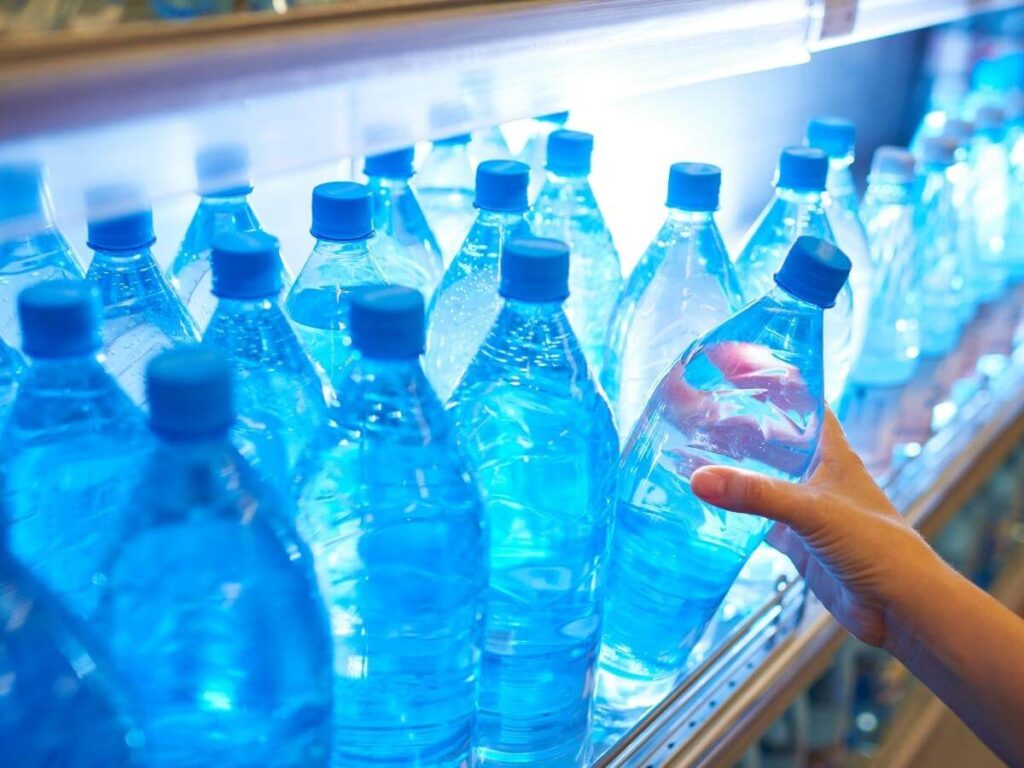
(839, 19)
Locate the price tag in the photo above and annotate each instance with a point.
(839, 19)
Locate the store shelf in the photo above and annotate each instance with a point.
(929, 489)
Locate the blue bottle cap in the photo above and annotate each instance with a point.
(190, 393)
(694, 186)
(897, 163)
(535, 269)
(388, 322)
(835, 136)
(24, 194)
(995, 74)
(990, 120)
(60, 318)
(814, 270)
(569, 152)
(391, 165)
(120, 219)
(939, 150)
(558, 118)
(803, 169)
(958, 129)
(222, 170)
(246, 265)
(342, 210)
(502, 185)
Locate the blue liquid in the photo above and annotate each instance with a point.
(71, 450)
(394, 522)
(142, 316)
(683, 286)
(445, 186)
(544, 450)
(408, 253)
(60, 706)
(278, 394)
(790, 215)
(892, 343)
(318, 303)
(535, 153)
(12, 368)
(749, 394)
(467, 302)
(190, 273)
(566, 210)
(213, 617)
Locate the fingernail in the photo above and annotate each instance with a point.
(709, 485)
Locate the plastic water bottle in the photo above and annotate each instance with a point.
(747, 394)
(12, 368)
(70, 448)
(408, 252)
(683, 286)
(60, 706)
(142, 315)
(799, 209)
(543, 446)
(341, 260)
(467, 302)
(210, 608)
(535, 151)
(960, 132)
(394, 520)
(836, 138)
(989, 164)
(1015, 214)
(566, 210)
(31, 247)
(892, 343)
(224, 188)
(445, 186)
(279, 395)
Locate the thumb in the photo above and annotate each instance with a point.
(742, 491)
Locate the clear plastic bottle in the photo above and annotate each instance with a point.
(989, 164)
(12, 368)
(1015, 214)
(142, 315)
(799, 209)
(683, 286)
(893, 341)
(960, 132)
(210, 608)
(224, 189)
(535, 151)
(408, 252)
(394, 520)
(467, 302)
(543, 447)
(836, 137)
(341, 261)
(749, 394)
(445, 186)
(279, 396)
(567, 210)
(70, 447)
(61, 704)
(32, 249)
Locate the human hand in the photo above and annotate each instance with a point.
(854, 550)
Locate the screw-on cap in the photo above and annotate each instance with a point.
(897, 163)
(694, 186)
(120, 219)
(535, 269)
(246, 265)
(814, 270)
(190, 394)
(342, 210)
(23, 198)
(804, 169)
(938, 150)
(501, 186)
(558, 118)
(990, 120)
(60, 318)
(835, 136)
(222, 170)
(569, 152)
(958, 129)
(388, 322)
(391, 165)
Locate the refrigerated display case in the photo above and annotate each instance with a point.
(723, 81)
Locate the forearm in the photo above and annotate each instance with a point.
(967, 648)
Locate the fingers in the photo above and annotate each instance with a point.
(742, 491)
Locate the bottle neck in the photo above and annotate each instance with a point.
(680, 217)
(225, 202)
(800, 197)
(573, 180)
(500, 218)
(889, 191)
(533, 310)
(264, 305)
(122, 258)
(80, 374)
(782, 297)
(342, 250)
(195, 472)
(387, 184)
